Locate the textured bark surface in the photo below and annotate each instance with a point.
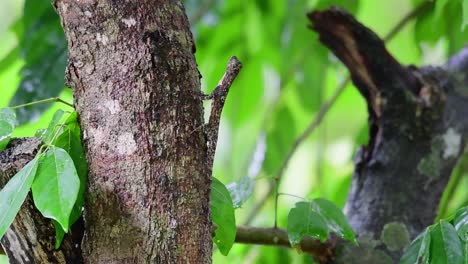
(31, 237)
(418, 129)
(136, 87)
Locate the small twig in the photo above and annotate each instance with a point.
(48, 100)
(322, 252)
(422, 8)
(219, 95)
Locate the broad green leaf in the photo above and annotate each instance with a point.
(460, 222)
(279, 139)
(310, 87)
(254, 27)
(222, 213)
(465, 15)
(335, 219)
(456, 37)
(50, 132)
(303, 220)
(241, 190)
(418, 251)
(7, 124)
(427, 29)
(44, 64)
(445, 246)
(13, 194)
(56, 186)
(439, 7)
(69, 140)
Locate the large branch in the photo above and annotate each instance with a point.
(31, 237)
(418, 129)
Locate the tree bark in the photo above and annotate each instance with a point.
(136, 88)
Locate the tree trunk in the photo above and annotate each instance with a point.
(136, 88)
(418, 130)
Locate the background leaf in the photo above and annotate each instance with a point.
(7, 124)
(222, 213)
(303, 220)
(56, 186)
(241, 190)
(13, 194)
(335, 219)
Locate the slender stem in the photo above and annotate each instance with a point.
(275, 224)
(48, 100)
(451, 188)
(419, 10)
(292, 195)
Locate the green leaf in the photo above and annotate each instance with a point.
(48, 134)
(222, 213)
(418, 251)
(279, 140)
(427, 29)
(465, 15)
(460, 222)
(56, 186)
(303, 220)
(7, 124)
(254, 28)
(14, 193)
(439, 7)
(445, 246)
(335, 219)
(69, 140)
(241, 191)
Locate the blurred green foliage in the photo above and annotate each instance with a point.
(287, 76)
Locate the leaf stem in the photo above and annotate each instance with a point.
(52, 99)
